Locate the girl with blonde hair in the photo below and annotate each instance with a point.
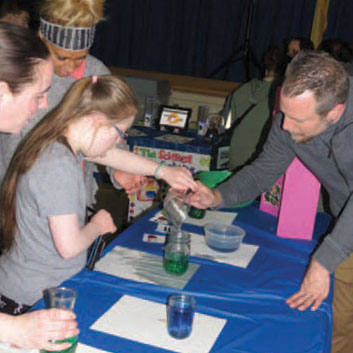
(43, 197)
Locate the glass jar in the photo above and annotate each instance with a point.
(175, 207)
(177, 252)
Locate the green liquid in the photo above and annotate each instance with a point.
(175, 263)
(72, 349)
(196, 213)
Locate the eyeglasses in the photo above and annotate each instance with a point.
(121, 134)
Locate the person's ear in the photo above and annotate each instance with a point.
(334, 114)
(4, 91)
(98, 120)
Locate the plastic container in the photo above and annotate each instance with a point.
(224, 238)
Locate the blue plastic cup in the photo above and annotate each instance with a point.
(180, 315)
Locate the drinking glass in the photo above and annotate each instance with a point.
(63, 298)
(176, 208)
(180, 315)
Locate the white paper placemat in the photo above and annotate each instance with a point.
(5, 348)
(210, 217)
(142, 267)
(145, 322)
(240, 257)
(81, 348)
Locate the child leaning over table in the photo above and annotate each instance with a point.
(43, 200)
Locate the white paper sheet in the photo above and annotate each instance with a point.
(83, 348)
(142, 267)
(210, 217)
(241, 257)
(145, 322)
(5, 348)
(213, 217)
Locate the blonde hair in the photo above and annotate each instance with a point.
(108, 95)
(73, 13)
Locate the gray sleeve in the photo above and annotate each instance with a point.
(258, 177)
(337, 245)
(56, 184)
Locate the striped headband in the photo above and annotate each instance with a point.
(69, 38)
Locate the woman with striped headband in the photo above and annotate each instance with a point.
(67, 28)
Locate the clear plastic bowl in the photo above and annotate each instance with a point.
(224, 238)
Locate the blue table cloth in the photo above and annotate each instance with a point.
(252, 300)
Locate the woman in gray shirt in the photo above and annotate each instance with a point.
(25, 75)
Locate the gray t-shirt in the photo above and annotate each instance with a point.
(59, 86)
(53, 186)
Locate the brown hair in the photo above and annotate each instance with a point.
(20, 53)
(73, 13)
(108, 95)
(320, 74)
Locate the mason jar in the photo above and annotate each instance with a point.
(177, 252)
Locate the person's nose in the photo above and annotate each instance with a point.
(70, 66)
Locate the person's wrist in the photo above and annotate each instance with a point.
(217, 198)
(316, 265)
(9, 329)
(159, 172)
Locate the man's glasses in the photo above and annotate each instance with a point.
(121, 134)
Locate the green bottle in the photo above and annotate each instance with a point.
(196, 213)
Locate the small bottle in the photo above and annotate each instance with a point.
(149, 109)
(197, 213)
(177, 252)
(202, 120)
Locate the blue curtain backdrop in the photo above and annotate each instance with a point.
(340, 20)
(194, 37)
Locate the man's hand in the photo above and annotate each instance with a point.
(204, 197)
(130, 182)
(313, 290)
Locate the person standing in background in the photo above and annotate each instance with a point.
(296, 44)
(256, 98)
(16, 12)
